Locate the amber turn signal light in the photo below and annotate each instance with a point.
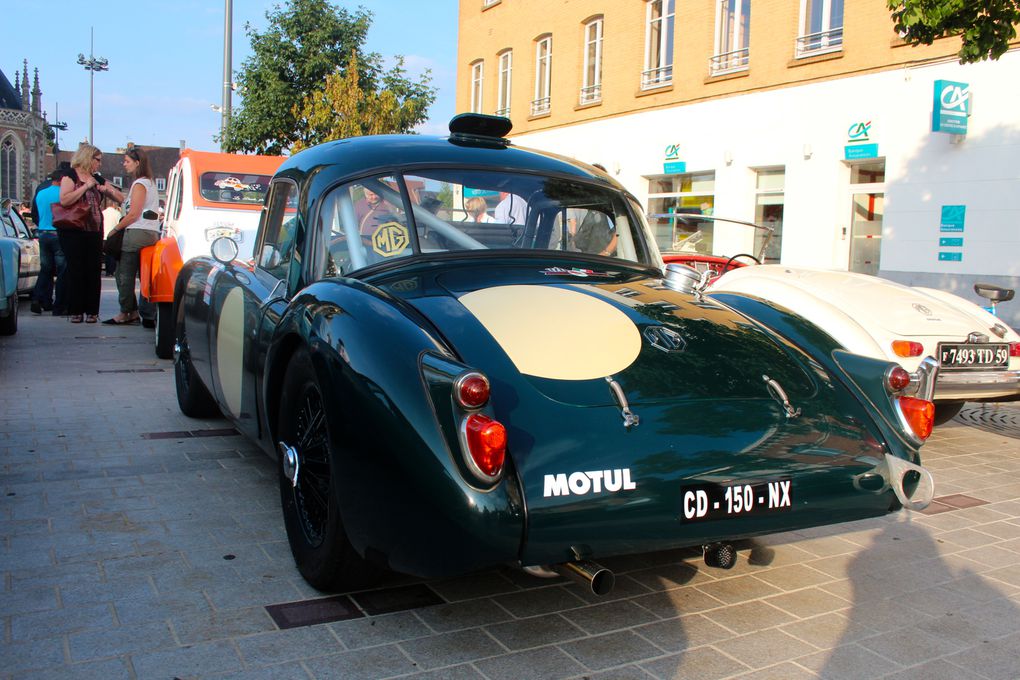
(907, 348)
(920, 415)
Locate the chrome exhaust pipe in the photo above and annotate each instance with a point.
(595, 576)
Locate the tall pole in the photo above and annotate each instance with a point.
(92, 64)
(228, 12)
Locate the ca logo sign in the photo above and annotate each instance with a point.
(954, 98)
(672, 152)
(858, 132)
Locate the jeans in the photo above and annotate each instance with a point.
(52, 263)
(127, 268)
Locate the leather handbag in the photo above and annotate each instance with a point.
(77, 216)
(114, 243)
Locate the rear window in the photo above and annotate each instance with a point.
(232, 187)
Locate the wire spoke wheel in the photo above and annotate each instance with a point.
(312, 493)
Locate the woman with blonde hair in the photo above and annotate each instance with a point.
(142, 229)
(477, 210)
(82, 242)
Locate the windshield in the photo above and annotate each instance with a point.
(232, 187)
(387, 217)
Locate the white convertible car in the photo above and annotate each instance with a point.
(978, 354)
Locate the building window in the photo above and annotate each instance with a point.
(160, 184)
(821, 27)
(9, 169)
(658, 45)
(690, 193)
(591, 90)
(506, 65)
(490, 3)
(732, 37)
(118, 181)
(543, 75)
(477, 75)
(768, 211)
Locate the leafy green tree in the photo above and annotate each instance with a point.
(306, 43)
(343, 107)
(985, 26)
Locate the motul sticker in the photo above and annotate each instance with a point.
(584, 483)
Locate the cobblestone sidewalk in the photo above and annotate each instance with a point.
(137, 543)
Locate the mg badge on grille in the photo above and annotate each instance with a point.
(665, 339)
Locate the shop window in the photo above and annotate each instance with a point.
(506, 64)
(658, 44)
(690, 193)
(732, 37)
(543, 76)
(821, 27)
(591, 90)
(477, 76)
(160, 184)
(118, 181)
(768, 211)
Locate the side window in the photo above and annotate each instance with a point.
(363, 223)
(178, 193)
(279, 244)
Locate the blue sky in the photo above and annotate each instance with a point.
(166, 61)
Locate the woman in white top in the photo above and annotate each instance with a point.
(142, 231)
(476, 208)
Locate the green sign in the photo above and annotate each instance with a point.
(952, 217)
(950, 107)
(950, 243)
(950, 257)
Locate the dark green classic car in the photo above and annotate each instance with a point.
(464, 354)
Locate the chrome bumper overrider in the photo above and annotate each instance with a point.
(913, 485)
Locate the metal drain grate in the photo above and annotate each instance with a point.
(352, 606)
(956, 501)
(1001, 419)
(184, 434)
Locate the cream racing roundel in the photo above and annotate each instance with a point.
(558, 333)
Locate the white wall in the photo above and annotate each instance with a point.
(924, 170)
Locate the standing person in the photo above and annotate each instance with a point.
(51, 257)
(111, 217)
(83, 248)
(142, 225)
(476, 208)
(372, 211)
(511, 209)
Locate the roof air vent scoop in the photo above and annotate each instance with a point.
(479, 129)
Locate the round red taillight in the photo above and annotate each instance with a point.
(471, 390)
(486, 443)
(897, 378)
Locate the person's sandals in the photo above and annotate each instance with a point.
(91, 318)
(114, 321)
(77, 318)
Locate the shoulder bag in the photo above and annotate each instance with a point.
(114, 243)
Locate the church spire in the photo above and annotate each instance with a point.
(36, 95)
(25, 103)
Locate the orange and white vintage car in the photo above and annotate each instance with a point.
(209, 195)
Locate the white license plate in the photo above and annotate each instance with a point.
(213, 234)
(982, 355)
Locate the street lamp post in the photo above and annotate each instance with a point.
(92, 64)
(228, 13)
(57, 125)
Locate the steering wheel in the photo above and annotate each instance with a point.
(729, 263)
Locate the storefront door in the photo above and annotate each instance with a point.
(867, 199)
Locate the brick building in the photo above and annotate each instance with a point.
(810, 115)
(23, 146)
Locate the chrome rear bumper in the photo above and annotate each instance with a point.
(970, 385)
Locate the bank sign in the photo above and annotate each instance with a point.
(950, 107)
(858, 142)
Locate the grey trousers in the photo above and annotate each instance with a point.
(127, 268)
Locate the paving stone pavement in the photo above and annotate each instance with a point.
(125, 556)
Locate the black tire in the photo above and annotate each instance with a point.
(315, 531)
(9, 324)
(946, 411)
(193, 397)
(165, 330)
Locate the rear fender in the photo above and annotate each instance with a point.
(403, 495)
(160, 265)
(863, 376)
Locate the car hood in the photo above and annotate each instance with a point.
(871, 301)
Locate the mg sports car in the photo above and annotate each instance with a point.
(978, 353)
(449, 382)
